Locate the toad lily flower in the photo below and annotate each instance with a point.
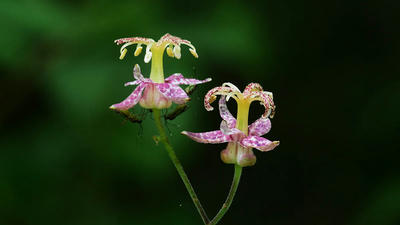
(241, 138)
(158, 93)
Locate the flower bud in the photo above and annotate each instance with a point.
(153, 99)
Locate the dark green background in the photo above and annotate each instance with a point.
(333, 67)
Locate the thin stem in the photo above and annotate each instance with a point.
(229, 198)
(178, 166)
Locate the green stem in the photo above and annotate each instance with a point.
(178, 166)
(231, 195)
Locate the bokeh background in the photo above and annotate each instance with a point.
(333, 67)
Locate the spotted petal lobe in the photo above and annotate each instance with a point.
(131, 100)
(259, 143)
(173, 92)
(178, 78)
(225, 114)
(224, 127)
(211, 137)
(260, 127)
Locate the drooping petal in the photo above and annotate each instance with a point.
(260, 127)
(212, 137)
(178, 78)
(259, 143)
(225, 114)
(173, 92)
(131, 100)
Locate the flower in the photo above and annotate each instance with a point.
(155, 51)
(241, 138)
(151, 95)
(156, 92)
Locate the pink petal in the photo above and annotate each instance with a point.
(173, 92)
(260, 127)
(259, 143)
(212, 137)
(225, 114)
(178, 78)
(224, 127)
(131, 100)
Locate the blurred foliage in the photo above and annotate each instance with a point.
(332, 66)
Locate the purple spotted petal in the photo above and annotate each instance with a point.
(131, 100)
(260, 127)
(173, 92)
(224, 127)
(212, 137)
(178, 78)
(259, 143)
(225, 114)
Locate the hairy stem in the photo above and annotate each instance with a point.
(163, 138)
(229, 198)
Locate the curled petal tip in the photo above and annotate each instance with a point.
(112, 107)
(276, 143)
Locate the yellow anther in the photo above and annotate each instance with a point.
(138, 50)
(194, 53)
(123, 53)
(170, 52)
